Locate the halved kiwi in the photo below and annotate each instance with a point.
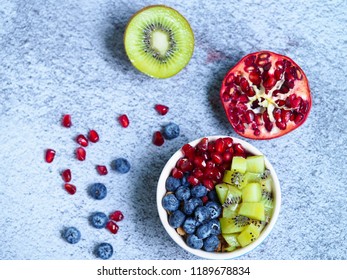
(159, 41)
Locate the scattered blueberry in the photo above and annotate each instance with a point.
(176, 219)
(72, 235)
(98, 191)
(203, 231)
(215, 209)
(98, 219)
(189, 225)
(172, 184)
(190, 205)
(211, 243)
(194, 242)
(171, 131)
(170, 202)
(104, 251)
(215, 226)
(199, 191)
(121, 165)
(212, 195)
(183, 193)
(202, 214)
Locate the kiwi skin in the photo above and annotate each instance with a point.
(169, 8)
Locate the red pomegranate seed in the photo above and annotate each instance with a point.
(117, 216)
(102, 169)
(66, 174)
(208, 183)
(158, 138)
(220, 145)
(188, 151)
(211, 146)
(210, 164)
(228, 142)
(203, 144)
(71, 189)
(192, 180)
(50, 154)
(177, 173)
(93, 136)
(112, 227)
(66, 121)
(184, 164)
(227, 156)
(124, 120)
(217, 158)
(199, 161)
(161, 109)
(81, 154)
(197, 173)
(82, 140)
(204, 199)
(239, 150)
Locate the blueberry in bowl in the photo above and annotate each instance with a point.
(218, 197)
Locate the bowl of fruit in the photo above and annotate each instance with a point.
(218, 197)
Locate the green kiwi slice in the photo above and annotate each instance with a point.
(159, 41)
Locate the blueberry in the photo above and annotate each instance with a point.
(184, 181)
(189, 225)
(182, 193)
(98, 219)
(212, 196)
(121, 165)
(194, 242)
(104, 251)
(199, 191)
(215, 226)
(98, 191)
(176, 219)
(215, 209)
(172, 184)
(211, 243)
(203, 231)
(171, 131)
(202, 214)
(170, 202)
(72, 235)
(190, 205)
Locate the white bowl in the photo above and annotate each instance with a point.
(161, 191)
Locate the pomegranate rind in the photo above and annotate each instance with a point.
(300, 89)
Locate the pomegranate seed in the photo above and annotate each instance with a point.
(227, 156)
(188, 151)
(209, 173)
(239, 150)
(199, 161)
(81, 154)
(161, 109)
(66, 121)
(208, 183)
(197, 173)
(217, 158)
(82, 140)
(269, 82)
(50, 154)
(93, 136)
(298, 118)
(177, 173)
(71, 189)
(204, 199)
(228, 142)
(203, 144)
(281, 125)
(102, 169)
(210, 164)
(220, 145)
(112, 227)
(117, 216)
(158, 138)
(184, 164)
(192, 180)
(66, 174)
(123, 120)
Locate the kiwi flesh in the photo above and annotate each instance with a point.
(159, 41)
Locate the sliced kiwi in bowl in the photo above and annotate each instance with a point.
(159, 41)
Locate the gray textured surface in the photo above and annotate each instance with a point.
(67, 57)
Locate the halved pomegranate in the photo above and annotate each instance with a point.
(265, 95)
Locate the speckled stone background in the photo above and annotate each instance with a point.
(67, 56)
